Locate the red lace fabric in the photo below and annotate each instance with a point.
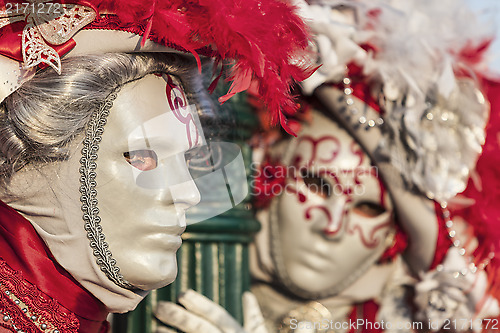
(26, 308)
(31, 279)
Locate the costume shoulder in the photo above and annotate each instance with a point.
(36, 293)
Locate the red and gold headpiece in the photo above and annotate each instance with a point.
(265, 39)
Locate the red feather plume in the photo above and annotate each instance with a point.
(267, 40)
(484, 189)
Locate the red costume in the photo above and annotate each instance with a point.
(36, 292)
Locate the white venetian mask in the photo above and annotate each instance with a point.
(130, 176)
(143, 182)
(151, 140)
(333, 220)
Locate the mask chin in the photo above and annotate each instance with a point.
(314, 275)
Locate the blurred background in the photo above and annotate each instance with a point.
(490, 10)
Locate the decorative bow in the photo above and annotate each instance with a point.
(46, 26)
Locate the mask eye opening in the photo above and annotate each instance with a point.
(368, 209)
(316, 184)
(142, 159)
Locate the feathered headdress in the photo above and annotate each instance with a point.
(409, 80)
(413, 59)
(265, 39)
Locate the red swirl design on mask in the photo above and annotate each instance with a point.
(315, 143)
(328, 231)
(301, 196)
(297, 159)
(321, 208)
(369, 241)
(178, 102)
(343, 183)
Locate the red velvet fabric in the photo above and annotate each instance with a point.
(363, 318)
(25, 252)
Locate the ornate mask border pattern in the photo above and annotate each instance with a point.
(88, 198)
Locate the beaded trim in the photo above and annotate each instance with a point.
(88, 192)
(362, 120)
(24, 308)
(452, 234)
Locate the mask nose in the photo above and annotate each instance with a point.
(332, 223)
(184, 191)
(172, 180)
(186, 194)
